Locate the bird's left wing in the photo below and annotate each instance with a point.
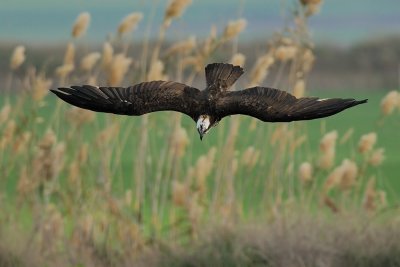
(273, 105)
(135, 100)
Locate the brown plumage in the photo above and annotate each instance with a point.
(206, 107)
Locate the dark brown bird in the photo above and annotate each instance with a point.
(206, 107)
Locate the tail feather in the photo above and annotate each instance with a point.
(223, 75)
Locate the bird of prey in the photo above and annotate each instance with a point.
(206, 107)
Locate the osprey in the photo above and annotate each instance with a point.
(206, 107)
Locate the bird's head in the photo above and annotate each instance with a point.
(203, 125)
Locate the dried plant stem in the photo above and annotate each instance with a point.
(161, 36)
(158, 180)
(140, 165)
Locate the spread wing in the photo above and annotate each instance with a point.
(135, 100)
(273, 105)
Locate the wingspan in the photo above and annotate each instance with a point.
(273, 105)
(136, 100)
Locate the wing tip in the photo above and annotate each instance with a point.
(59, 90)
(358, 102)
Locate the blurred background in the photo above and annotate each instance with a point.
(357, 41)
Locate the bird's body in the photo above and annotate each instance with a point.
(206, 107)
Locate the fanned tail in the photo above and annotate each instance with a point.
(222, 75)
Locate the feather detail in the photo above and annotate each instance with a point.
(222, 75)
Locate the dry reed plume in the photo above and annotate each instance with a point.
(175, 9)
(17, 57)
(81, 24)
(88, 61)
(129, 23)
(390, 102)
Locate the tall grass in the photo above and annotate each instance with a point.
(102, 190)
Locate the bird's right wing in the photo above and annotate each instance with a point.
(273, 105)
(135, 100)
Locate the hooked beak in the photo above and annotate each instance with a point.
(201, 133)
(203, 125)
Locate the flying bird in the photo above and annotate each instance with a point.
(206, 107)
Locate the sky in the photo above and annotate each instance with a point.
(340, 21)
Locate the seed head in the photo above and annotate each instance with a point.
(308, 60)
(88, 62)
(21, 142)
(327, 159)
(17, 57)
(250, 157)
(285, 52)
(180, 193)
(92, 79)
(40, 87)
(299, 88)
(305, 172)
(377, 157)
(175, 9)
(63, 70)
(234, 28)
(327, 147)
(367, 142)
(347, 135)
(107, 55)
(349, 174)
(156, 72)
(333, 179)
(74, 174)
(390, 102)
(260, 69)
(238, 59)
(312, 9)
(118, 68)
(129, 23)
(81, 24)
(25, 183)
(184, 47)
(328, 141)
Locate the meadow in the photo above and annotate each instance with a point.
(86, 189)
